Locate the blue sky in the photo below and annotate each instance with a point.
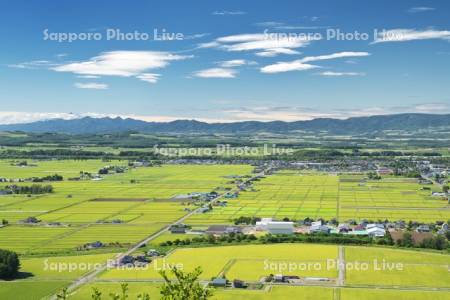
(232, 60)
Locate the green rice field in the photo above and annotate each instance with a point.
(299, 195)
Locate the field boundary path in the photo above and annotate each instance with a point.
(341, 266)
(90, 276)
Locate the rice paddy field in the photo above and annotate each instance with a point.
(299, 195)
(140, 199)
(83, 219)
(275, 292)
(418, 275)
(40, 277)
(250, 262)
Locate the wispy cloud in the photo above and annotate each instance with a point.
(88, 76)
(216, 73)
(122, 63)
(296, 113)
(244, 113)
(335, 55)
(336, 74)
(296, 65)
(91, 85)
(405, 35)
(228, 13)
(195, 36)
(235, 63)
(149, 77)
(276, 51)
(35, 64)
(419, 9)
(302, 64)
(262, 44)
(283, 26)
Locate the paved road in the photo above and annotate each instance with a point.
(86, 278)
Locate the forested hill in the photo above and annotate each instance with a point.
(356, 125)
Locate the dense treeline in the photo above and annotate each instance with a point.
(33, 189)
(9, 264)
(438, 242)
(74, 154)
(284, 238)
(54, 177)
(336, 154)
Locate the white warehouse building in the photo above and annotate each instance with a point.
(275, 227)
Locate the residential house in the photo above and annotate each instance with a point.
(222, 229)
(319, 229)
(127, 260)
(376, 231)
(344, 228)
(423, 228)
(178, 228)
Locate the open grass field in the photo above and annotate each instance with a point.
(299, 195)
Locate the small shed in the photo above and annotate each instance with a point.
(219, 282)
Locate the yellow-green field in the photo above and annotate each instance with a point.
(398, 268)
(71, 204)
(139, 198)
(299, 195)
(250, 262)
(44, 276)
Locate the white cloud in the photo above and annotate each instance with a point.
(212, 44)
(270, 44)
(235, 63)
(275, 51)
(61, 55)
(228, 13)
(269, 24)
(334, 56)
(295, 65)
(216, 73)
(35, 64)
(195, 36)
(15, 117)
(247, 113)
(295, 113)
(88, 76)
(405, 35)
(149, 77)
(419, 9)
(301, 64)
(121, 63)
(330, 73)
(284, 26)
(91, 85)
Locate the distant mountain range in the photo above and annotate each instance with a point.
(356, 125)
